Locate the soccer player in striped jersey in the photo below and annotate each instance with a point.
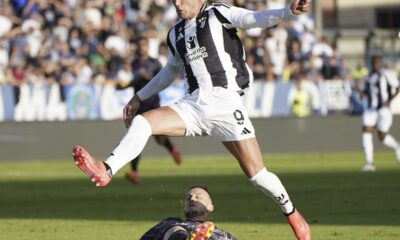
(206, 44)
(380, 88)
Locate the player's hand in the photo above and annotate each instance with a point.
(300, 6)
(130, 110)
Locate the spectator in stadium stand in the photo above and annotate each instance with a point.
(294, 53)
(379, 88)
(213, 105)
(145, 68)
(197, 207)
(321, 50)
(361, 71)
(299, 98)
(330, 69)
(17, 77)
(258, 59)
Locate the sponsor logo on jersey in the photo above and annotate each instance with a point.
(191, 42)
(194, 52)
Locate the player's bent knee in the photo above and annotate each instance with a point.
(368, 129)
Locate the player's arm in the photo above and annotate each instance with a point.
(395, 84)
(163, 79)
(396, 92)
(244, 18)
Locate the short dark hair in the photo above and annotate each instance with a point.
(204, 187)
(376, 57)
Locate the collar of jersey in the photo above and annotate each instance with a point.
(202, 9)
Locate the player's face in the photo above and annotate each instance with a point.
(187, 9)
(198, 203)
(377, 63)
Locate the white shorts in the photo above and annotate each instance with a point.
(216, 112)
(382, 119)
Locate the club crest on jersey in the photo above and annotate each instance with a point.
(191, 42)
(202, 22)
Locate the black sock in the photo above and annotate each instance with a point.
(168, 144)
(134, 163)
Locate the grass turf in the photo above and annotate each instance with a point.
(54, 200)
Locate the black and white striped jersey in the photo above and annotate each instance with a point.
(210, 50)
(212, 53)
(379, 87)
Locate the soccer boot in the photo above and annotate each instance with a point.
(368, 168)
(202, 231)
(299, 225)
(133, 177)
(96, 170)
(176, 155)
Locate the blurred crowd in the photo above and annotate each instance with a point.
(66, 42)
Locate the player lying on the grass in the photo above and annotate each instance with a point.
(206, 44)
(197, 206)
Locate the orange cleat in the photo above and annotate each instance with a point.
(176, 156)
(299, 225)
(93, 168)
(133, 177)
(203, 231)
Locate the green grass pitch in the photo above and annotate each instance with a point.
(55, 201)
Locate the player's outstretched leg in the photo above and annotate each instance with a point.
(96, 170)
(299, 225)
(271, 185)
(249, 155)
(390, 142)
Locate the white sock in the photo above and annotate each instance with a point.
(131, 145)
(270, 185)
(390, 142)
(368, 146)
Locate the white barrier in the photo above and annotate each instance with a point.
(2, 117)
(263, 99)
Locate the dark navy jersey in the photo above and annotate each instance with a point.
(158, 231)
(152, 66)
